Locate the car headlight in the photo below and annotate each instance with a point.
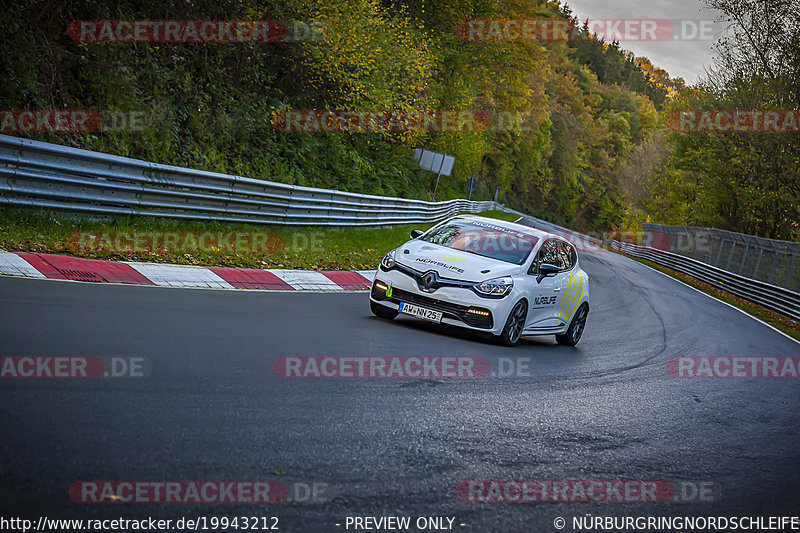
(388, 260)
(495, 287)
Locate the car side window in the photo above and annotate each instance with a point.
(549, 253)
(566, 254)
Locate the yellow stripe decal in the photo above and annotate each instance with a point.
(578, 298)
(566, 295)
(576, 304)
(572, 295)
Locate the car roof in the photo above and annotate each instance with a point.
(512, 226)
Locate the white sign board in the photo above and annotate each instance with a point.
(447, 164)
(434, 161)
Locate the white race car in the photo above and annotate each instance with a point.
(488, 275)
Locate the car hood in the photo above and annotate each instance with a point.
(450, 263)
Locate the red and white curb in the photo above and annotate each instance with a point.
(51, 266)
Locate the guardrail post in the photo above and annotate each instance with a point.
(730, 256)
(719, 252)
(758, 263)
(772, 266)
(710, 246)
(789, 272)
(744, 256)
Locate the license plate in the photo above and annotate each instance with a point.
(420, 312)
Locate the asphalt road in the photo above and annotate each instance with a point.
(212, 408)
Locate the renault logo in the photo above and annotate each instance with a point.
(429, 279)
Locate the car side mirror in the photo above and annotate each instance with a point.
(546, 269)
(416, 233)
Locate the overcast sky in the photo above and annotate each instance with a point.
(681, 58)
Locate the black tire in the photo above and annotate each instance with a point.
(576, 327)
(381, 311)
(515, 323)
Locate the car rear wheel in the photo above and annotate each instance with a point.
(381, 311)
(514, 325)
(575, 329)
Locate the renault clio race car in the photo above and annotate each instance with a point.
(488, 275)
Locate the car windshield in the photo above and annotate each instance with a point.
(483, 238)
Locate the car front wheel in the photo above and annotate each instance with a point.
(575, 329)
(514, 325)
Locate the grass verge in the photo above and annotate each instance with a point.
(307, 248)
(772, 318)
(500, 215)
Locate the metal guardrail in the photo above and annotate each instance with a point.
(769, 260)
(52, 176)
(45, 175)
(778, 299)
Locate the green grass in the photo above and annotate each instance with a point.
(314, 248)
(500, 215)
(776, 320)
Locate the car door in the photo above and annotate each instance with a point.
(571, 286)
(545, 296)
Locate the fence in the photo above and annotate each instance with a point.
(52, 176)
(768, 260)
(778, 299)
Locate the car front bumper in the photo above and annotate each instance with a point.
(459, 306)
